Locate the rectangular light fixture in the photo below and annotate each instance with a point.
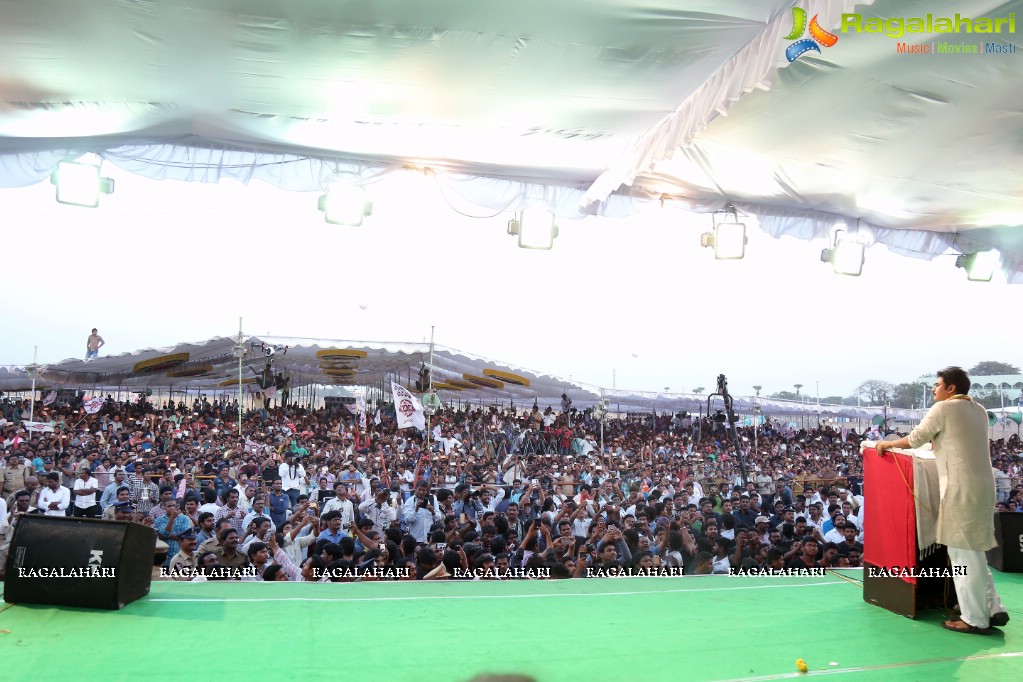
(80, 184)
(729, 241)
(847, 257)
(345, 204)
(536, 228)
(980, 266)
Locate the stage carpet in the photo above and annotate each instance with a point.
(614, 630)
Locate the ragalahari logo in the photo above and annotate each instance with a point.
(818, 36)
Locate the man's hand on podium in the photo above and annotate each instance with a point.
(890, 444)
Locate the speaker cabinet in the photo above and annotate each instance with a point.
(1007, 557)
(906, 599)
(89, 563)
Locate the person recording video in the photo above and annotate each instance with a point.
(420, 511)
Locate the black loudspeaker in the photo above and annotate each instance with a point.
(1007, 557)
(907, 599)
(70, 561)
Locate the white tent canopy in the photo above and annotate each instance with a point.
(212, 367)
(586, 104)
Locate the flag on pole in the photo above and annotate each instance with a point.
(93, 405)
(407, 408)
(360, 409)
(50, 398)
(38, 427)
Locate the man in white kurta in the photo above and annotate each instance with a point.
(958, 427)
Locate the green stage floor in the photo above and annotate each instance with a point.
(614, 630)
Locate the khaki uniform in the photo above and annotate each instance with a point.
(184, 565)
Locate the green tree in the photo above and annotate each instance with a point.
(785, 395)
(991, 368)
(992, 400)
(909, 395)
(698, 390)
(874, 390)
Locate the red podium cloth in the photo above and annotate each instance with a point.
(889, 528)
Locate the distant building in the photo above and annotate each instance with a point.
(1011, 385)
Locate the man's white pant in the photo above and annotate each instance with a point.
(975, 590)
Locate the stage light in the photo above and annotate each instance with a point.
(728, 238)
(535, 228)
(345, 204)
(80, 184)
(979, 266)
(728, 241)
(846, 257)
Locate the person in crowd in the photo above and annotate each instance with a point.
(85, 488)
(54, 499)
(93, 344)
(643, 493)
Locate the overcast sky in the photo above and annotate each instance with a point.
(634, 302)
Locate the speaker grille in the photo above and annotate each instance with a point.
(120, 553)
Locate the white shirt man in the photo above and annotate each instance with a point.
(379, 511)
(490, 505)
(87, 500)
(1003, 484)
(54, 497)
(292, 475)
(405, 477)
(263, 512)
(419, 512)
(340, 503)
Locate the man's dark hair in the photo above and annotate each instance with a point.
(209, 495)
(270, 574)
(204, 516)
(955, 376)
(427, 557)
(316, 564)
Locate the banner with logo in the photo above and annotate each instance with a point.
(38, 427)
(50, 398)
(407, 408)
(93, 405)
(360, 407)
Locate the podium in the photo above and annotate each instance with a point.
(900, 526)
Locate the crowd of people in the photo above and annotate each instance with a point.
(294, 493)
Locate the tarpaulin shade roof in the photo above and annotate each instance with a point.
(577, 102)
(212, 367)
